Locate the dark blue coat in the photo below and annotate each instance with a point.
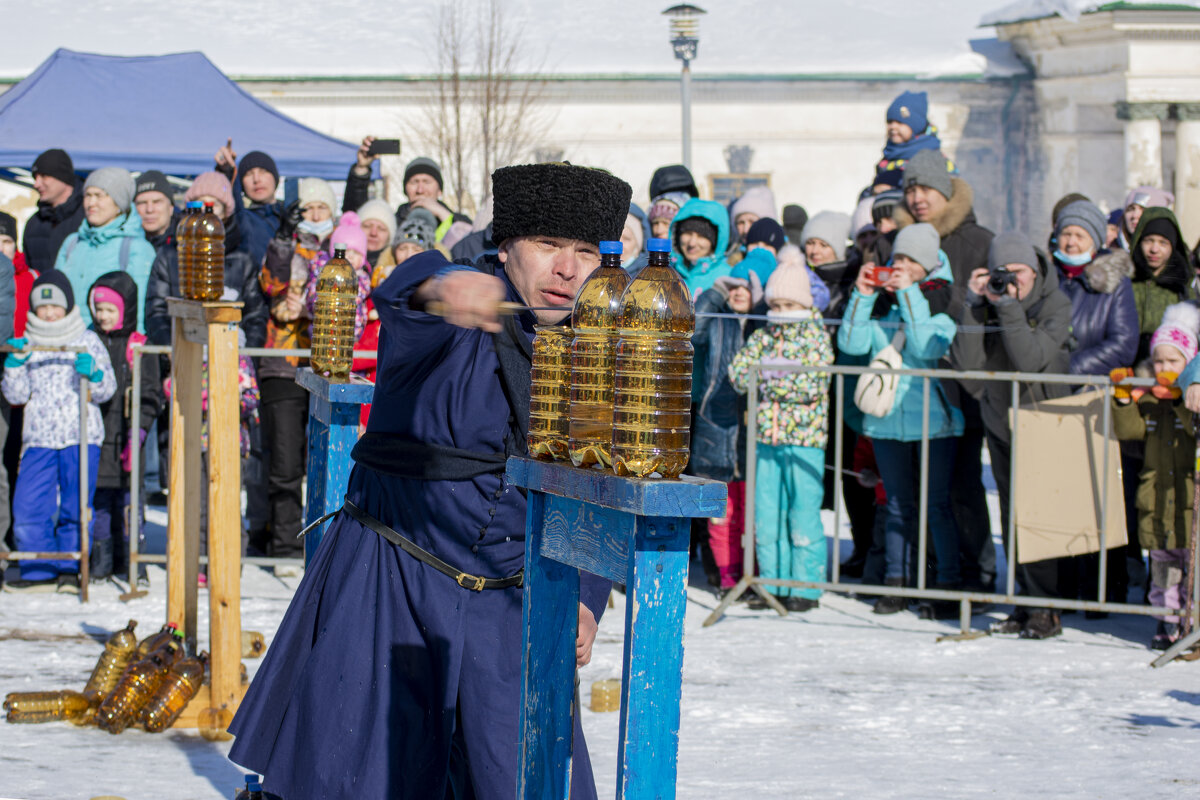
(258, 225)
(387, 679)
(1104, 319)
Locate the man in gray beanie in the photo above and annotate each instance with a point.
(1028, 324)
(423, 186)
(933, 194)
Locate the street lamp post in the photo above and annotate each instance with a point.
(685, 39)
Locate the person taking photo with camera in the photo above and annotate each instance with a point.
(1015, 320)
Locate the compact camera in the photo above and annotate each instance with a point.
(999, 280)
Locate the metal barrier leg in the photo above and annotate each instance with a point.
(1012, 485)
(85, 506)
(839, 446)
(923, 509)
(1105, 426)
(135, 479)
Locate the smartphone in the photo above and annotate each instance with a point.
(384, 147)
(880, 275)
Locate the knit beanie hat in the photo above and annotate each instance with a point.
(766, 231)
(832, 228)
(789, 281)
(886, 174)
(696, 225)
(315, 190)
(212, 184)
(349, 234)
(794, 219)
(911, 108)
(1180, 328)
(663, 209)
(1012, 247)
(1084, 214)
(1164, 227)
(153, 181)
(929, 168)
(52, 288)
(117, 183)
(883, 205)
(921, 243)
(106, 294)
(758, 200)
(55, 163)
(672, 178)
(561, 200)
(379, 211)
(8, 225)
(744, 277)
(1062, 203)
(424, 166)
(419, 227)
(762, 263)
(257, 158)
(1116, 216)
(1148, 197)
(862, 221)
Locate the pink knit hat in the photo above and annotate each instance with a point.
(106, 294)
(1148, 197)
(790, 281)
(212, 184)
(1179, 329)
(349, 233)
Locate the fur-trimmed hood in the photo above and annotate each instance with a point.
(958, 209)
(1105, 272)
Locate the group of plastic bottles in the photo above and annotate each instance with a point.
(614, 389)
(333, 318)
(200, 245)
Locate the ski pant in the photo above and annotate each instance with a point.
(725, 535)
(49, 480)
(110, 530)
(1169, 579)
(790, 538)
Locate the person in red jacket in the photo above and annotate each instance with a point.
(23, 275)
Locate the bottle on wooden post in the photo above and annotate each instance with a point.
(653, 385)
(333, 318)
(119, 650)
(208, 260)
(550, 392)
(176, 691)
(185, 247)
(32, 707)
(593, 360)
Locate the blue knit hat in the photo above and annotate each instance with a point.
(911, 108)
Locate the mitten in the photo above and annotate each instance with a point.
(1165, 388)
(17, 359)
(85, 365)
(127, 452)
(1118, 376)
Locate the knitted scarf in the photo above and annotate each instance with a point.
(59, 332)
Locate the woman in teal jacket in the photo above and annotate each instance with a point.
(110, 238)
(699, 238)
(917, 294)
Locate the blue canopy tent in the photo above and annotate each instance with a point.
(169, 113)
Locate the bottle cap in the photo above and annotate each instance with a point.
(208, 205)
(172, 626)
(339, 250)
(251, 776)
(611, 248)
(659, 246)
(195, 204)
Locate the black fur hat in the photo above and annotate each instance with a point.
(558, 200)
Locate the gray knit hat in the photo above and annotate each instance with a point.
(1086, 215)
(921, 243)
(1012, 247)
(830, 227)
(928, 168)
(117, 183)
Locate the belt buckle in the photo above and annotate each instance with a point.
(472, 582)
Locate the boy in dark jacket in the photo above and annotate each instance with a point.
(113, 300)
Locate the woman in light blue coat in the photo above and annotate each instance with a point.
(913, 300)
(110, 238)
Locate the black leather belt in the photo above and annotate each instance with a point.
(475, 583)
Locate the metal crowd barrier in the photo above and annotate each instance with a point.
(965, 599)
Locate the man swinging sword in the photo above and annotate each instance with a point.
(396, 672)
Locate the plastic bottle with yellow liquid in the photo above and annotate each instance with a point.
(593, 360)
(155, 640)
(333, 322)
(653, 384)
(136, 687)
(550, 392)
(208, 259)
(185, 247)
(172, 697)
(119, 650)
(31, 707)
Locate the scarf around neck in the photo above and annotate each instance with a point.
(59, 332)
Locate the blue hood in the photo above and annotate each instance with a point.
(708, 210)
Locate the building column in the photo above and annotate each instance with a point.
(1187, 170)
(1143, 142)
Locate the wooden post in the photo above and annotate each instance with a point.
(198, 324)
(624, 529)
(333, 412)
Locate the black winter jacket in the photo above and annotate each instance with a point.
(1104, 320)
(46, 229)
(117, 410)
(167, 237)
(241, 280)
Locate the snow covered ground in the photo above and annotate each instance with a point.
(836, 703)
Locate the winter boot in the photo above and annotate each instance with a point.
(891, 604)
(939, 609)
(1042, 624)
(800, 604)
(1015, 622)
(1166, 635)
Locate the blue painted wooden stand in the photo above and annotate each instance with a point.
(636, 532)
(333, 410)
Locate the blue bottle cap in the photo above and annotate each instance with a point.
(195, 204)
(250, 776)
(253, 786)
(611, 248)
(659, 246)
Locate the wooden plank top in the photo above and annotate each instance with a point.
(686, 497)
(199, 311)
(358, 391)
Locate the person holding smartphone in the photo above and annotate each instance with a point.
(423, 185)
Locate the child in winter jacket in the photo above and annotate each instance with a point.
(908, 314)
(792, 423)
(1164, 497)
(113, 300)
(48, 384)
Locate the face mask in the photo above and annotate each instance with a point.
(1081, 260)
(318, 229)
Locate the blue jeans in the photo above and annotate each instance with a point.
(789, 536)
(899, 466)
(48, 480)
